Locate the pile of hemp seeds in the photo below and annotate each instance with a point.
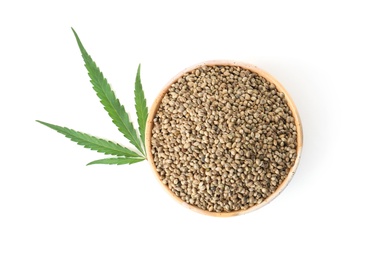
(223, 139)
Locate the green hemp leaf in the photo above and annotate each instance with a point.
(118, 115)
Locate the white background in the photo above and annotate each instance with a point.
(331, 56)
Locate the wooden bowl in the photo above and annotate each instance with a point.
(260, 72)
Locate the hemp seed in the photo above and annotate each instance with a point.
(223, 139)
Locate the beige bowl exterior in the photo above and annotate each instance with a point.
(260, 72)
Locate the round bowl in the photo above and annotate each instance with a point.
(260, 72)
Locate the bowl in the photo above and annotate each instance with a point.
(299, 137)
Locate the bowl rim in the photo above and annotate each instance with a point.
(155, 106)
